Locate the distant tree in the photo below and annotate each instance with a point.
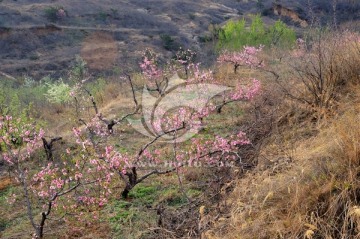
(58, 92)
(281, 35)
(247, 57)
(169, 42)
(54, 14)
(235, 35)
(185, 58)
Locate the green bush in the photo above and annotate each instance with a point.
(281, 35)
(54, 13)
(14, 102)
(234, 35)
(169, 42)
(58, 92)
(79, 70)
(18, 99)
(102, 16)
(50, 13)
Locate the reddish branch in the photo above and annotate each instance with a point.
(48, 147)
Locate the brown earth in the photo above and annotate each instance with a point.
(286, 12)
(100, 51)
(5, 182)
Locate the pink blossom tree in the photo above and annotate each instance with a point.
(170, 126)
(247, 57)
(61, 13)
(53, 187)
(185, 58)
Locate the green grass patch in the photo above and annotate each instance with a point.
(144, 195)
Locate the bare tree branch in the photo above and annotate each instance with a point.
(111, 123)
(157, 138)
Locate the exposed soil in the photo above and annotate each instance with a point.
(5, 182)
(100, 51)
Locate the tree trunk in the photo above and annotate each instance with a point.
(125, 192)
(39, 233)
(235, 68)
(40, 229)
(48, 147)
(131, 183)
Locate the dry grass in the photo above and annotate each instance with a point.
(306, 183)
(100, 51)
(322, 72)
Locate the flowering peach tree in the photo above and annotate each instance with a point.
(248, 57)
(171, 112)
(48, 185)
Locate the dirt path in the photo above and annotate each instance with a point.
(81, 28)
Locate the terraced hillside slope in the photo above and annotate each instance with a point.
(35, 41)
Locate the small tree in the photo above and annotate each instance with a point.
(49, 187)
(58, 92)
(322, 71)
(281, 35)
(164, 124)
(185, 58)
(54, 14)
(247, 57)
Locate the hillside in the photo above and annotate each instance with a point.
(127, 27)
(130, 25)
(186, 119)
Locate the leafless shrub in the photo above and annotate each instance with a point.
(319, 76)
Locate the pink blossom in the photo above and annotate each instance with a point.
(78, 176)
(61, 13)
(246, 57)
(77, 132)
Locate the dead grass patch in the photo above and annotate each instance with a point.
(317, 196)
(100, 51)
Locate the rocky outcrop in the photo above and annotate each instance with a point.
(286, 12)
